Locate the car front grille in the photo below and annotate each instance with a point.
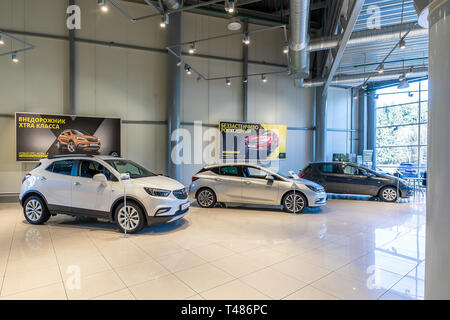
(180, 194)
(91, 140)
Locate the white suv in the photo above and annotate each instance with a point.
(94, 186)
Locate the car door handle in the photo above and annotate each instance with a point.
(218, 179)
(77, 184)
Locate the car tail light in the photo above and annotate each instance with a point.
(302, 174)
(26, 177)
(194, 179)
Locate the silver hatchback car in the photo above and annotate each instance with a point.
(253, 184)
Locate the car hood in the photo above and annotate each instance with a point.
(260, 138)
(300, 181)
(88, 137)
(160, 182)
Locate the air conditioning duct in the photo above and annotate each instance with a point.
(299, 60)
(358, 79)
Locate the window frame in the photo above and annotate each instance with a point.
(72, 171)
(78, 168)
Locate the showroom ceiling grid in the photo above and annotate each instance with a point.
(362, 59)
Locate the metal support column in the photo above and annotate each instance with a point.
(72, 57)
(437, 277)
(372, 125)
(173, 97)
(245, 73)
(321, 124)
(362, 120)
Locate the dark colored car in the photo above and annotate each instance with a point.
(348, 178)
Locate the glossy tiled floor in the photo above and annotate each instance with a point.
(348, 250)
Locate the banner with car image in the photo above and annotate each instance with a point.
(41, 136)
(252, 141)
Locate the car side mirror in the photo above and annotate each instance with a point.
(270, 177)
(101, 178)
(125, 177)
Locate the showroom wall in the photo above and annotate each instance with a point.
(277, 101)
(131, 83)
(111, 82)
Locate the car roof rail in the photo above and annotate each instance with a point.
(58, 156)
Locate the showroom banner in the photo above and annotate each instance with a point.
(40, 136)
(252, 141)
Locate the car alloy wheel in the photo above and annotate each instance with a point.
(128, 218)
(33, 210)
(298, 201)
(389, 194)
(206, 198)
(71, 146)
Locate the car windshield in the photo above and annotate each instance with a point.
(80, 132)
(134, 170)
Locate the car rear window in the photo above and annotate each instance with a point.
(61, 167)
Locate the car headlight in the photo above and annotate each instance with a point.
(80, 138)
(157, 192)
(316, 189)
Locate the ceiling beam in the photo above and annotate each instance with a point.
(350, 23)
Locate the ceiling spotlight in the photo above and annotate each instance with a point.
(355, 97)
(245, 80)
(263, 78)
(103, 6)
(402, 77)
(286, 49)
(409, 71)
(179, 63)
(246, 39)
(402, 44)
(380, 68)
(187, 68)
(403, 84)
(364, 86)
(2, 41)
(376, 97)
(228, 82)
(229, 6)
(234, 24)
(14, 57)
(193, 48)
(164, 21)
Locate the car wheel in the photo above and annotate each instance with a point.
(129, 218)
(71, 147)
(389, 194)
(299, 200)
(35, 210)
(206, 198)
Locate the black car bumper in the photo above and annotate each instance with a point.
(157, 220)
